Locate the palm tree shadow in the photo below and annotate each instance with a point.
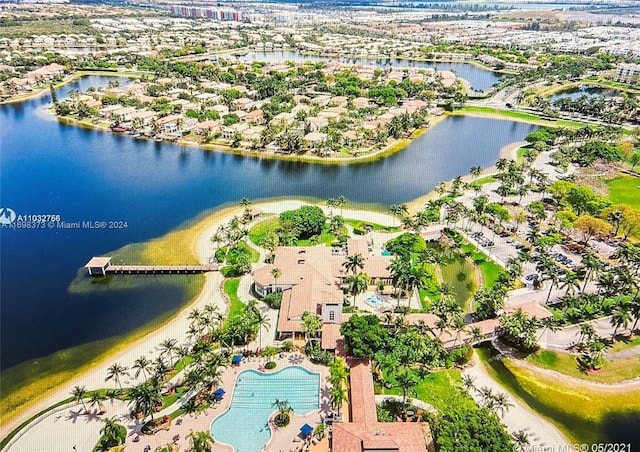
(325, 406)
(92, 416)
(73, 416)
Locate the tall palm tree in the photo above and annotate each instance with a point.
(263, 321)
(406, 380)
(341, 202)
(398, 210)
(520, 440)
(357, 284)
(337, 396)
(115, 371)
(78, 393)
(620, 317)
(96, 400)
(311, 324)
(169, 346)
(468, 381)
(415, 279)
(353, 263)
(276, 273)
(141, 364)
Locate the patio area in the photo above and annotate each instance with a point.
(282, 439)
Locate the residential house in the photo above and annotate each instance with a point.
(254, 117)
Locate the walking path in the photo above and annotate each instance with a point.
(519, 417)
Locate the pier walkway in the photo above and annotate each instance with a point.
(101, 266)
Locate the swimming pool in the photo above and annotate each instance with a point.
(244, 425)
(374, 300)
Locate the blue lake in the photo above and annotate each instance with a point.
(480, 79)
(86, 175)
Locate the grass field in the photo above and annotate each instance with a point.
(442, 389)
(490, 270)
(625, 190)
(518, 116)
(583, 415)
(262, 229)
(565, 363)
(231, 289)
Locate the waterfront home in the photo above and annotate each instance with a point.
(47, 72)
(106, 112)
(311, 280)
(315, 123)
(207, 127)
(169, 124)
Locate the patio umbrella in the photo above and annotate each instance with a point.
(306, 429)
(236, 359)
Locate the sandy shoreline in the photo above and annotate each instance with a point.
(509, 152)
(176, 327)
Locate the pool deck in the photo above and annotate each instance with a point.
(281, 439)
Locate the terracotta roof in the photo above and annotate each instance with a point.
(364, 432)
(330, 336)
(532, 309)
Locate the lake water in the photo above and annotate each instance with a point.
(480, 79)
(590, 91)
(86, 175)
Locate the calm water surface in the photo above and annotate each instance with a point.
(86, 175)
(589, 91)
(480, 79)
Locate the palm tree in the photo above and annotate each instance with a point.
(341, 202)
(96, 400)
(78, 393)
(168, 346)
(501, 403)
(520, 440)
(263, 321)
(311, 324)
(620, 317)
(475, 171)
(406, 380)
(415, 280)
(353, 263)
(111, 432)
(337, 396)
(145, 397)
(200, 441)
(276, 273)
(116, 371)
(398, 210)
(468, 381)
(141, 364)
(357, 284)
(399, 267)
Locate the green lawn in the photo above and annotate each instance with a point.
(231, 289)
(625, 190)
(490, 270)
(583, 415)
(565, 363)
(442, 389)
(485, 180)
(376, 226)
(260, 230)
(458, 273)
(623, 343)
(528, 117)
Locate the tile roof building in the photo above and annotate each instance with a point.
(364, 433)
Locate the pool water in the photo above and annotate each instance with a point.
(375, 300)
(244, 425)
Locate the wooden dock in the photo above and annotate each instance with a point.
(159, 269)
(100, 266)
